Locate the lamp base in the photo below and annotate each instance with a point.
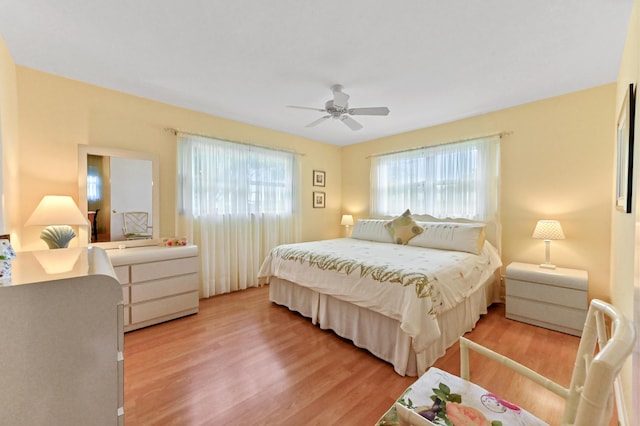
(547, 266)
(57, 236)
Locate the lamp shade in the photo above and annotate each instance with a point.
(57, 210)
(347, 220)
(548, 230)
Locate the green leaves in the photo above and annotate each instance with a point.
(444, 394)
(439, 394)
(409, 403)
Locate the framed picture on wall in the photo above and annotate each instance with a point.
(318, 200)
(318, 178)
(624, 171)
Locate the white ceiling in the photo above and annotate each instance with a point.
(429, 61)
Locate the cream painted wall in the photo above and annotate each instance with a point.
(57, 114)
(8, 143)
(625, 229)
(556, 164)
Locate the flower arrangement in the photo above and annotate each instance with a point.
(174, 241)
(6, 255)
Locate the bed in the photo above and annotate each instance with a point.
(403, 288)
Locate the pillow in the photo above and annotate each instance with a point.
(403, 228)
(467, 237)
(372, 230)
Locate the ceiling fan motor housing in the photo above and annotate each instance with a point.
(335, 111)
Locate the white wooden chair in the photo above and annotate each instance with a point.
(607, 340)
(135, 225)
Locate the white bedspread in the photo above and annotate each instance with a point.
(408, 284)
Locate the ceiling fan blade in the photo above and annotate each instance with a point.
(369, 111)
(340, 99)
(302, 107)
(318, 121)
(350, 122)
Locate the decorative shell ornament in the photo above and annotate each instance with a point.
(57, 236)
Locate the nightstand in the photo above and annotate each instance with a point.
(550, 298)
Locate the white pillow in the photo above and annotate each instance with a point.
(468, 237)
(372, 230)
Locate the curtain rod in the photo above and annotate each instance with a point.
(176, 131)
(500, 134)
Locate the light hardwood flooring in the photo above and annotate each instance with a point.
(244, 361)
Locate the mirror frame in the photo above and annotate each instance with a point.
(83, 152)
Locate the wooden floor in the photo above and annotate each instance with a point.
(245, 361)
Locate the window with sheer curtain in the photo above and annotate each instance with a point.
(236, 202)
(94, 184)
(451, 180)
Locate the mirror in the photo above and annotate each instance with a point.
(112, 182)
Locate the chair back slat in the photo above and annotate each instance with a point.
(136, 224)
(607, 340)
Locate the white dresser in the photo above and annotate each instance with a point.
(158, 283)
(550, 298)
(62, 338)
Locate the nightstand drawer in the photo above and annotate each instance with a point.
(542, 314)
(547, 293)
(559, 277)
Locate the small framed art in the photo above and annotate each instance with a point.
(624, 164)
(318, 178)
(318, 200)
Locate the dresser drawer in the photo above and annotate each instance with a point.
(166, 306)
(563, 296)
(163, 287)
(166, 268)
(122, 272)
(126, 315)
(126, 297)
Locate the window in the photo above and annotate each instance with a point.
(237, 179)
(235, 202)
(94, 184)
(451, 180)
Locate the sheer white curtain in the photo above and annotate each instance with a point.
(236, 202)
(450, 180)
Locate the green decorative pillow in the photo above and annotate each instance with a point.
(403, 228)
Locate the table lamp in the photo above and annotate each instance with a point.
(57, 213)
(548, 230)
(347, 220)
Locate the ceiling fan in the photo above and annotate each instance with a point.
(338, 109)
